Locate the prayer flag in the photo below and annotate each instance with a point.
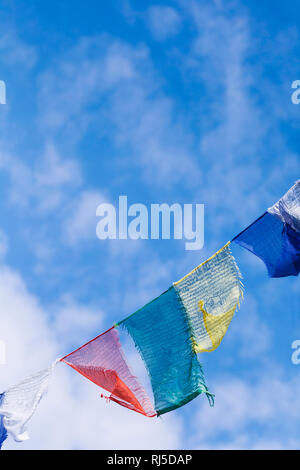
(102, 361)
(275, 236)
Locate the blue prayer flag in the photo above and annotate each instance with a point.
(275, 236)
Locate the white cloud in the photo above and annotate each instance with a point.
(75, 323)
(163, 21)
(80, 225)
(94, 66)
(250, 415)
(42, 184)
(14, 51)
(249, 334)
(29, 343)
(121, 84)
(53, 171)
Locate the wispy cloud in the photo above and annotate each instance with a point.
(80, 224)
(140, 120)
(14, 51)
(246, 415)
(43, 184)
(163, 21)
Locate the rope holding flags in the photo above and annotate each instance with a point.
(191, 317)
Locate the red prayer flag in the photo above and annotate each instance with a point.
(102, 361)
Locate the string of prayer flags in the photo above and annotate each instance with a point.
(191, 317)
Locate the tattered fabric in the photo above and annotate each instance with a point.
(275, 236)
(161, 332)
(101, 360)
(287, 209)
(19, 402)
(210, 294)
(276, 243)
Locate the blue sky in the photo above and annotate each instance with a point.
(185, 102)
